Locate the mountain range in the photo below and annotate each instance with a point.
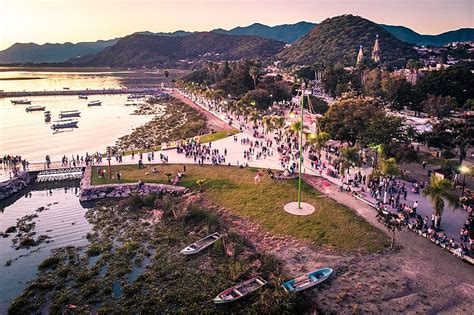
(288, 33)
(31, 52)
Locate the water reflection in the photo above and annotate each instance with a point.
(62, 219)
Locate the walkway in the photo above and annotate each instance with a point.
(452, 220)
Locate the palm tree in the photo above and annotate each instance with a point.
(317, 140)
(347, 157)
(438, 191)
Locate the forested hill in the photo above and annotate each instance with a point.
(146, 50)
(336, 40)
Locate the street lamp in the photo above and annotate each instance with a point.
(463, 170)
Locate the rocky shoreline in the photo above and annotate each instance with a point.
(173, 120)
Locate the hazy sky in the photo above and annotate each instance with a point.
(43, 21)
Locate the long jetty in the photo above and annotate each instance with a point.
(79, 92)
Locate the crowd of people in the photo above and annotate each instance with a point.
(15, 164)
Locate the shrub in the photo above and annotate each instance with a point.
(135, 202)
(149, 200)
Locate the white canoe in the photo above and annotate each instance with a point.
(203, 243)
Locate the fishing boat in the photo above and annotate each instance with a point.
(239, 291)
(203, 243)
(65, 123)
(65, 88)
(47, 116)
(135, 96)
(82, 97)
(307, 281)
(69, 113)
(35, 108)
(94, 103)
(21, 102)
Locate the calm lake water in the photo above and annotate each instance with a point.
(28, 135)
(63, 220)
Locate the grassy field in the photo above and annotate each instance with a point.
(331, 224)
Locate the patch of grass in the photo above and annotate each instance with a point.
(331, 224)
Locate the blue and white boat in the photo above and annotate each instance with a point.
(307, 281)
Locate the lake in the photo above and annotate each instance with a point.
(63, 220)
(27, 134)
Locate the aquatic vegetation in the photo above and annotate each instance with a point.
(163, 280)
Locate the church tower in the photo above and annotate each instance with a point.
(376, 53)
(360, 56)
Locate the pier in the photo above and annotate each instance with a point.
(151, 90)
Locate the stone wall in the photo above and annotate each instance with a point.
(89, 192)
(13, 185)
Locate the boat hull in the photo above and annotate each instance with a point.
(235, 291)
(196, 247)
(309, 280)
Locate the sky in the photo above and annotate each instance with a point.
(58, 21)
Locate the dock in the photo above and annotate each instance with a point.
(150, 90)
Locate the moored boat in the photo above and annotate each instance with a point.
(94, 103)
(69, 113)
(135, 96)
(240, 290)
(307, 281)
(35, 108)
(203, 243)
(47, 116)
(66, 123)
(83, 97)
(21, 102)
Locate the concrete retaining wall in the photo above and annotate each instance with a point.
(13, 185)
(89, 192)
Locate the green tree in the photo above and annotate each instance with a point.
(316, 105)
(259, 98)
(348, 118)
(439, 190)
(439, 106)
(455, 81)
(347, 158)
(317, 140)
(452, 134)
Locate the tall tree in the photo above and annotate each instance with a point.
(348, 118)
(439, 190)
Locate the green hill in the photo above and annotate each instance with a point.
(337, 40)
(147, 50)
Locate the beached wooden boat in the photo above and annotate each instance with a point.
(203, 243)
(69, 113)
(35, 108)
(82, 97)
(94, 103)
(240, 290)
(307, 281)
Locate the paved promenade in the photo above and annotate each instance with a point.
(452, 220)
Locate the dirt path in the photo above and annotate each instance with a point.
(418, 277)
(212, 121)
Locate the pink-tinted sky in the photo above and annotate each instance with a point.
(43, 21)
